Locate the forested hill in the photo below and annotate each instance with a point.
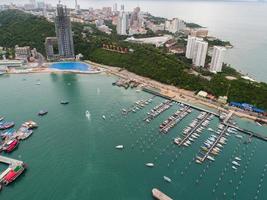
(19, 28)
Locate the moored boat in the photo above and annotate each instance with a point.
(6, 125)
(166, 178)
(30, 124)
(13, 174)
(119, 147)
(64, 102)
(1, 118)
(150, 164)
(11, 145)
(42, 112)
(160, 195)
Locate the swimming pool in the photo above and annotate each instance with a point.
(71, 66)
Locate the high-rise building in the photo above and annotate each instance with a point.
(217, 59)
(135, 18)
(190, 47)
(122, 23)
(174, 25)
(77, 6)
(50, 42)
(115, 7)
(33, 3)
(64, 32)
(200, 53)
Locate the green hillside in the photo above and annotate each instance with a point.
(19, 28)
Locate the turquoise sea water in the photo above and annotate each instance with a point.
(77, 66)
(71, 156)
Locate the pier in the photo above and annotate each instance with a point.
(158, 110)
(193, 129)
(214, 144)
(225, 121)
(181, 114)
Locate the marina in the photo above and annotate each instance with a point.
(112, 148)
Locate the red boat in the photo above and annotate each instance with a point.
(13, 174)
(11, 145)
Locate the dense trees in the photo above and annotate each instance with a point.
(23, 29)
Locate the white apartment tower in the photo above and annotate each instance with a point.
(174, 25)
(217, 59)
(122, 23)
(190, 47)
(200, 53)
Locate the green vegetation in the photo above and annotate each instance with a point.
(155, 20)
(145, 60)
(218, 42)
(193, 25)
(18, 28)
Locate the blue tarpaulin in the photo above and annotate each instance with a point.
(246, 106)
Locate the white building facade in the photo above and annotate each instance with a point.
(175, 25)
(190, 47)
(200, 53)
(122, 23)
(217, 59)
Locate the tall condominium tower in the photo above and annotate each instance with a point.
(190, 47)
(122, 23)
(217, 59)
(64, 32)
(200, 53)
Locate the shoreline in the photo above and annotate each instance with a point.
(178, 94)
(175, 93)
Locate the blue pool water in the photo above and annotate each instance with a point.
(71, 66)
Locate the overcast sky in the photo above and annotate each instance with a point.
(70, 1)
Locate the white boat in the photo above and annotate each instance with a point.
(211, 158)
(119, 147)
(38, 83)
(104, 117)
(237, 158)
(259, 123)
(236, 163)
(150, 164)
(166, 178)
(233, 167)
(239, 136)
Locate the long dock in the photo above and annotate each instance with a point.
(175, 120)
(225, 122)
(10, 161)
(193, 129)
(169, 98)
(214, 144)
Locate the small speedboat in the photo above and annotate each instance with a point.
(236, 163)
(237, 158)
(150, 164)
(42, 112)
(233, 167)
(104, 117)
(11, 145)
(166, 178)
(119, 147)
(6, 125)
(1, 118)
(64, 102)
